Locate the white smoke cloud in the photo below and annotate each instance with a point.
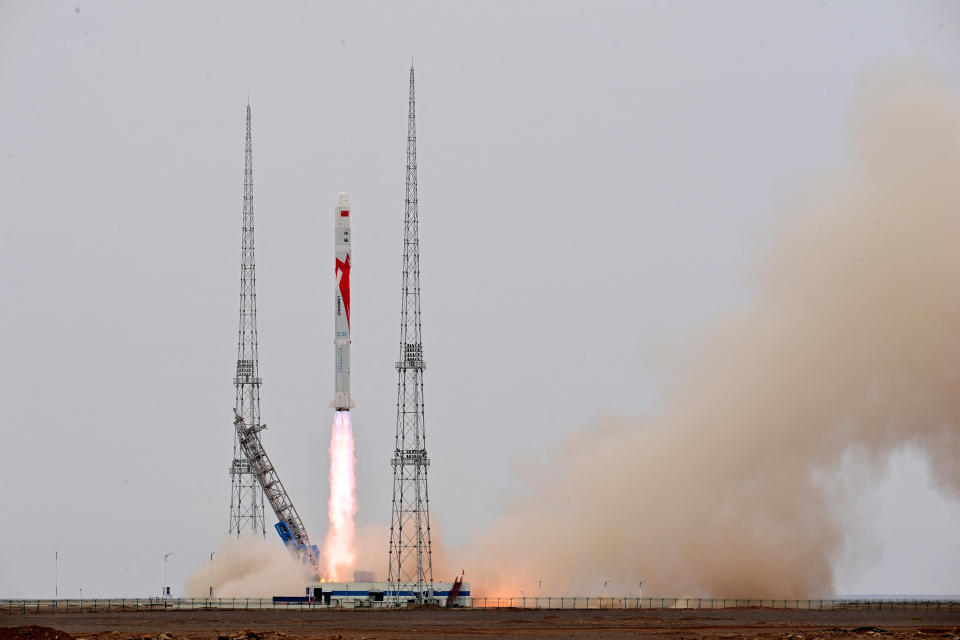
(249, 567)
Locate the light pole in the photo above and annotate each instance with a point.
(212, 553)
(166, 590)
(56, 574)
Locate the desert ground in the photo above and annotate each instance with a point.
(468, 623)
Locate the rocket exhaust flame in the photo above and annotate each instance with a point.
(340, 550)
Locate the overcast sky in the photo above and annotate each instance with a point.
(571, 155)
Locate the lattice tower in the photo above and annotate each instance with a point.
(410, 575)
(246, 495)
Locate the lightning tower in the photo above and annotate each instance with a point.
(246, 494)
(410, 575)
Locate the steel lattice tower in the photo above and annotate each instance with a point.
(411, 566)
(246, 496)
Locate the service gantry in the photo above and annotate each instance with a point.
(410, 575)
(252, 474)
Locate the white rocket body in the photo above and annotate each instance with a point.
(341, 341)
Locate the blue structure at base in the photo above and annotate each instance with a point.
(290, 541)
(284, 530)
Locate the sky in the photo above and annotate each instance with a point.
(571, 155)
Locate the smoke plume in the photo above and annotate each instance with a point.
(849, 349)
(250, 567)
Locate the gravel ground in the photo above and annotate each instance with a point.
(506, 623)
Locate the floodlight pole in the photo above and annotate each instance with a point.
(212, 553)
(163, 591)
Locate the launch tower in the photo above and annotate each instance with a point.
(410, 576)
(246, 495)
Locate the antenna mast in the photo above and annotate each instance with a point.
(246, 495)
(410, 575)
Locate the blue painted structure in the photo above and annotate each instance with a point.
(290, 541)
(371, 594)
(284, 530)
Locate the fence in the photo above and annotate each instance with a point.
(610, 602)
(521, 602)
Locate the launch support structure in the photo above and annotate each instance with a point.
(246, 495)
(410, 575)
(252, 474)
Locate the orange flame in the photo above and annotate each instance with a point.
(339, 550)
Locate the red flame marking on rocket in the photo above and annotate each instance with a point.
(343, 269)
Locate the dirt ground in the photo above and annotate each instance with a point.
(466, 623)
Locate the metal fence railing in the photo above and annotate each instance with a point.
(611, 602)
(476, 602)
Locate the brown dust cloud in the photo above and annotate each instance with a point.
(849, 348)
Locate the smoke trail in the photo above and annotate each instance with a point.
(849, 349)
(249, 567)
(339, 550)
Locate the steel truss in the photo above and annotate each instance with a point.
(410, 575)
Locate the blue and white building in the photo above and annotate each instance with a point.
(375, 594)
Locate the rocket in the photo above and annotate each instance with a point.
(341, 341)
